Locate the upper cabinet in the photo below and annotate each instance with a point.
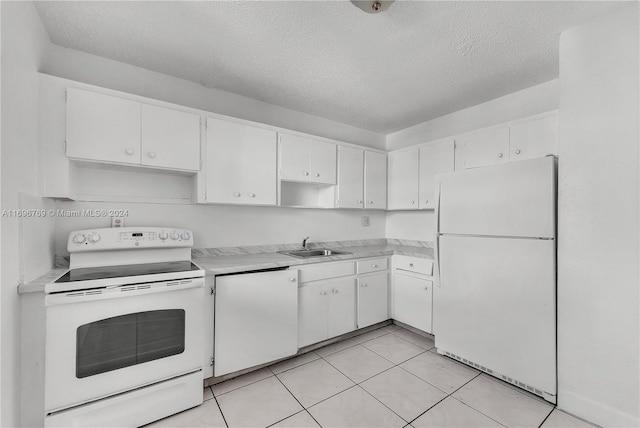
(307, 160)
(362, 179)
(240, 164)
(403, 179)
(375, 180)
(528, 138)
(435, 158)
(109, 129)
(483, 148)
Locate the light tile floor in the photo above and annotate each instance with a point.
(389, 377)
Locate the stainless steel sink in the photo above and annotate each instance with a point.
(318, 252)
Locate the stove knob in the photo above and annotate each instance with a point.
(174, 235)
(185, 236)
(163, 235)
(93, 238)
(79, 238)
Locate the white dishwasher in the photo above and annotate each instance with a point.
(256, 318)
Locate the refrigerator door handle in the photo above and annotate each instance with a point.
(437, 241)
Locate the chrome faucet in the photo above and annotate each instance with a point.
(304, 243)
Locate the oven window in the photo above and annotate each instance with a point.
(127, 340)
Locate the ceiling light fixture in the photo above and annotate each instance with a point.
(375, 6)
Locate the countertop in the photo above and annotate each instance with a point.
(217, 261)
(217, 265)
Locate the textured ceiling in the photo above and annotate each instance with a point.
(384, 72)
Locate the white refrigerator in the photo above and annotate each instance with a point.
(495, 298)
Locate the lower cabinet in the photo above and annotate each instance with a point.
(413, 299)
(373, 298)
(325, 309)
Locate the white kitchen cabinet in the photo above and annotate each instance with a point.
(109, 129)
(170, 138)
(413, 300)
(325, 309)
(373, 298)
(403, 179)
(375, 180)
(256, 316)
(307, 160)
(350, 191)
(435, 158)
(483, 148)
(534, 138)
(240, 163)
(102, 128)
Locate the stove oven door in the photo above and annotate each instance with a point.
(110, 341)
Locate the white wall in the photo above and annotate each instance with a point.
(99, 71)
(598, 257)
(23, 44)
(420, 225)
(228, 226)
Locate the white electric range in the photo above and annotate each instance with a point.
(124, 329)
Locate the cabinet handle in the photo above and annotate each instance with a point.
(426, 288)
(364, 285)
(129, 151)
(410, 265)
(427, 201)
(334, 291)
(322, 293)
(292, 280)
(317, 174)
(500, 155)
(152, 155)
(359, 201)
(306, 173)
(413, 202)
(374, 265)
(237, 194)
(252, 195)
(370, 202)
(517, 152)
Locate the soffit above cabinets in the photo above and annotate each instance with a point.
(382, 72)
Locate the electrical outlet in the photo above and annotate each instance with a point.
(117, 221)
(365, 221)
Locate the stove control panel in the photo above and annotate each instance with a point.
(121, 238)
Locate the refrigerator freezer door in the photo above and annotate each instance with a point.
(496, 306)
(513, 199)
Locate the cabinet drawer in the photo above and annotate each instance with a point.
(414, 264)
(371, 265)
(320, 271)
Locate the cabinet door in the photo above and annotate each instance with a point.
(102, 128)
(342, 306)
(534, 138)
(375, 180)
(350, 177)
(313, 303)
(322, 161)
(412, 301)
(294, 158)
(435, 158)
(170, 138)
(373, 294)
(260, 166)
(403, 180)
(484, 148)
(224, 161)
(248, 334)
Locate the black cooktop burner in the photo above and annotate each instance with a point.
(104, 272)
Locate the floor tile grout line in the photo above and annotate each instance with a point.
(547, 417)
(390, 409)
(404, 361)
(296, 398)
(479, 411)
(420, 415)
(358, 383)
(221, 413)
(295, 367)
(426, 381)
(250, 383)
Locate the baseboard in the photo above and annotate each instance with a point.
(597, 413)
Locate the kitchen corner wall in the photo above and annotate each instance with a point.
(598, 225)
(420, 225)
(24, 42)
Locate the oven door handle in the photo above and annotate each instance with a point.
(121, 291)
